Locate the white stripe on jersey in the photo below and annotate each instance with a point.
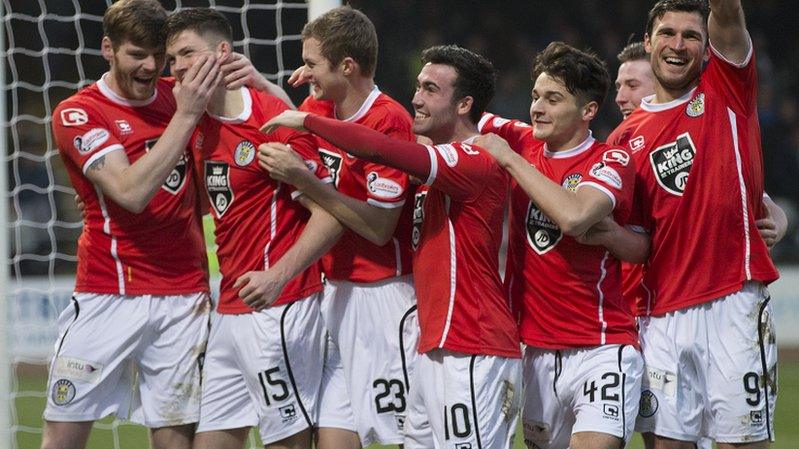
(601, 307)
(453, 266)
(397, 255)
(742, 185)
(107, 231)
(272, 224)
(433, 165)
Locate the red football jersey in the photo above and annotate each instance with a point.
(704, 240)
(256, 219)
(457, 232)
(159, 251)
(568, 294)
(354, 258)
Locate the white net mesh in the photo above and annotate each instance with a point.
(52, 49)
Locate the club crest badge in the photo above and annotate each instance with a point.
(244, 154)
(696, 106)
(571, 182)
(63, 392)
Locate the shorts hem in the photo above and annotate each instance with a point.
(669, 434)
(172, 423)
(55, 417)
(386, 442)
(617, 434)
(275, 437)
(213, 427)
(335, 425)
(743, 438)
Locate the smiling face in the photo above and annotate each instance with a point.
(634, 82)
(678, 50)
(184, 50)
(134, 69)
(436, 111)
(327, 81)
(556, 116)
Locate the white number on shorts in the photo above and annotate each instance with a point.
(752, 386)
(457, 418)
(265, 377)
(590, 390)
(397, 403)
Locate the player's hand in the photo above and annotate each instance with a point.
(298, 77)
(259, 289)
(600, 233)
(767, 228)
(193, 92)
(496, 147)
(237, 70)
(81, 206)
(289, 119)
(282, 163)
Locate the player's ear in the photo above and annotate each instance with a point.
(107, 48)
(348, 66)
(647, 43)
(223, 50)
(589, 111)
(465, 105)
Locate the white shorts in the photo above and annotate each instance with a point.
(711, 370)
(110, 343)
(371, 351)
(580, 390)
(462, 401)
(263, 369)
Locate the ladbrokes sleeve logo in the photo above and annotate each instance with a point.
(542, 233)
(672, 163)
(217, 183)
(332, 162)
(418, 219)
(177, 177)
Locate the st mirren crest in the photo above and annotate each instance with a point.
(244, 154)
(177, 178)
(542, 233)
(572, 181)
(696, 106)
(217, 184)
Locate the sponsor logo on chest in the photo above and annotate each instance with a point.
(331, 161)
(542, 233)
(217, 184)
(671, 163)
(418, 219)
(177, 177)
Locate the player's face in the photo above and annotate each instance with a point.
(184, 50)
(554, 112)
(634, 82)
(327, 82)
(677, 48)
(134, 69)
(435, 108)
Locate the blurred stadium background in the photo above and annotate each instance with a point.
(51, 50)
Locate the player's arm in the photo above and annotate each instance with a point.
(259, 289)
(573, 212)
(373, 223)
(626, 243)
(773, 226)
(132, 186)
(239, 71)
(727, 30)
(361, 141)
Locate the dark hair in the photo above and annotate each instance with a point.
(583, 74)
(663, 6)
(345, 32)
(476, 75)
(140, 22)
(203, 21)
(633, 52)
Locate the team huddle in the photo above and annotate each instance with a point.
(361, 300)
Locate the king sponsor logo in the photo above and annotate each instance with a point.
(418, 219)
(542, 233)
(672, 162)
(217, 184)
(177, 177)
(332, 161)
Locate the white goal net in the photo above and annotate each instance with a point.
(52, 50)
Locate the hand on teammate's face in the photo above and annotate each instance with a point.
(298, 77)
(238, 70)
(194, 90)
(259, 289)
(282, 163)
(290, 119)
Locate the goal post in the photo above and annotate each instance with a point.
(51, 51)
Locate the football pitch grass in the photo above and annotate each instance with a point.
(28, 414)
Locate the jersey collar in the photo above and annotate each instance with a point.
(245, 113)
(367, 104)
(582, 147)
(648, 105)
(107, 92)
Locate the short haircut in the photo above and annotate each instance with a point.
(476, 78)
(345, 32)
(140, 22)
(663, 6)
(203, 21)
(634, 51)
(583, 74)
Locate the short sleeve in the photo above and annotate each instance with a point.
(612, 172)
(735, 82)
(459, 170)
(82, 134)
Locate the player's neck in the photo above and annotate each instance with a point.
(358, 91)
(568, 142)
(226, 103)
(461, 131)
(664, 95)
